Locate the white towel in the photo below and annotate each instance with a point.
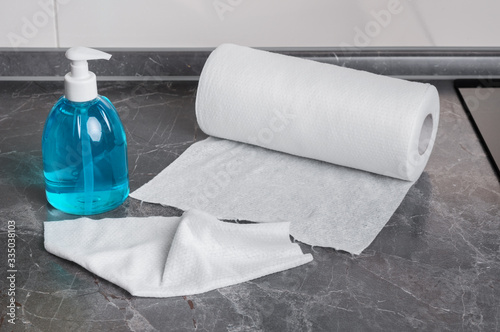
(171, 256)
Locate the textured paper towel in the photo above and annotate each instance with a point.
(171, 256)
(328, 205)
(343, 116)
(320, 116)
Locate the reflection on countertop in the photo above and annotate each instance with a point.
(435, 265)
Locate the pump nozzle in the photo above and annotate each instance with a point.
(81, 85)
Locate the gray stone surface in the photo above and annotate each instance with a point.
(434, 267)
(432, 63)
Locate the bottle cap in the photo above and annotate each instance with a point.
(80, 84)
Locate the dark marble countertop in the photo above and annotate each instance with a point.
(434, 267)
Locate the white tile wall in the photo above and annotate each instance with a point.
(265, 23)
(27, 23)
(461, 23)
(195, 23)
(387, 23)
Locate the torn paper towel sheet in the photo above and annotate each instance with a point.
(171, 256)
(312, 118)
(327, 205)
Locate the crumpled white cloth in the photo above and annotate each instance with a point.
(171, 256)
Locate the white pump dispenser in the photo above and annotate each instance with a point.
(80, 84)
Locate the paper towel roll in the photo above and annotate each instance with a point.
(342, 116)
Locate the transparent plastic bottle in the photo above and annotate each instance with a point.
(84, 151)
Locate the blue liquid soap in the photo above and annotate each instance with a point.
(85, 157)
(84, 145)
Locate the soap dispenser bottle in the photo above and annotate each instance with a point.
(84, 146)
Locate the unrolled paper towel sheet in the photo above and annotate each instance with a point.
(330, 149)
